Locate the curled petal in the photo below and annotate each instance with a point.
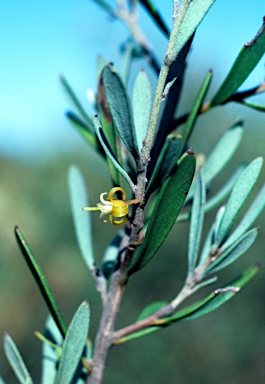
(113, 191)
(103, 201)
(117, 222)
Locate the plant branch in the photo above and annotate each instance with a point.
(104, 338)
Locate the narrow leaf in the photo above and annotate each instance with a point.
(237, 249)
(222, 152)
(166, 163)
(109, 131)
(49, 353)
(141, 101)
(41, 282)
(73, 345)
(84, 131)
(202, 307)
(218, 197)
(76, 103)
(255, 106)
(120, 108)
(16, 361)
(103, 140)
(215, 299)
(245, 62)
(82, 221)
(240, 193)
(210, 237)
(194, 15)
(250, 216)
(187, 130)
(155, 15)
(223, 191)
(196, 223)
(168, 205)
(151, 309)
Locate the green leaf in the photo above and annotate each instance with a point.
(41, 282)
(76, 103)
(194, 15)
(84, 131)
(240, 193)
(187, 130)
(222, 152)
(237, 249)
(120, 108)
(203, 307)
(151, 309)
(49, 353)
(1, 380)
(196, 223)
(255, 106)
(103, 140)
(215, 299)
(166, 163)
(82, 220)
(250, 216)
(141, 101)
(155, 15)
(168, 205)
(73, 345)
(16, 361)
(245, 62)
(110, 132)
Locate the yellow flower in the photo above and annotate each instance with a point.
(115, 208)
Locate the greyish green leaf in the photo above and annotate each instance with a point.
(250, 216)
(141, 102)
(50, 354)
(211, 237)
(73, 345)
(82, 220)
(195, 14)
(196, 222)
(245, 62)
(168, 205)
(232, 253)
(120, 108)
(239, 194)
(16, 361)
(222, 152)
(103, 140)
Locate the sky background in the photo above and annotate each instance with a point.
(41, 39)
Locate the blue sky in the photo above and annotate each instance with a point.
(41, 39)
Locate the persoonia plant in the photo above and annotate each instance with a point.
(148, 152)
